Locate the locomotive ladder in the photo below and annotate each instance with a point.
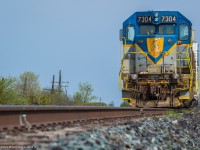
(187, 53)
(190, 66)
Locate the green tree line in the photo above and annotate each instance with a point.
(26, 90)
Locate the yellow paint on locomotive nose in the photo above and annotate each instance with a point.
(155, 46)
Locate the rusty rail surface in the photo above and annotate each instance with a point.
(21, 115)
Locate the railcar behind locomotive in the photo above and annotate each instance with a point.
(159, 64)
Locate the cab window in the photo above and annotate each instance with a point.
(166, 29)
(130, 33)
(147, 29)
(183, 32)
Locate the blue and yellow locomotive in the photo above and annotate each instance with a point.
(159, 66)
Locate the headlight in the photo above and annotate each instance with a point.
(175, 76)
(156, 19)
(156, 14)
(170, 41)
(134, 76)
(141, 42)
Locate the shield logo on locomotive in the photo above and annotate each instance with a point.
(155, 46)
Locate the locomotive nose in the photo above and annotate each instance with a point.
(155, 46)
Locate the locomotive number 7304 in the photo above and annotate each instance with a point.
(168, 19)
(144, 19)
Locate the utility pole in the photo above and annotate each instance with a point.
(60, 85)
(100, 101)
(65, 90)
(59, 81)
(25, 84)
(53, 82)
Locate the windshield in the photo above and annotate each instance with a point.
(130, 33)
(183, 32)
(147, 29)
(166, 29)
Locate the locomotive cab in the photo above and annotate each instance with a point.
(159, 60)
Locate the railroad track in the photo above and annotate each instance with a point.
(26, 125)
(29, 116)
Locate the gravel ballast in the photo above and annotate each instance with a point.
(158, 133)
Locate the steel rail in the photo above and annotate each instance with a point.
(21, 115)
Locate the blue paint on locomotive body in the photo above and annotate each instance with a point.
(157, 19)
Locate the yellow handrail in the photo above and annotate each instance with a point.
(190, 67)
(119, 79)
(124, 44)
(165, 53)
(120, 73)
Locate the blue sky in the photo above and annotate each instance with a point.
(79, 37)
